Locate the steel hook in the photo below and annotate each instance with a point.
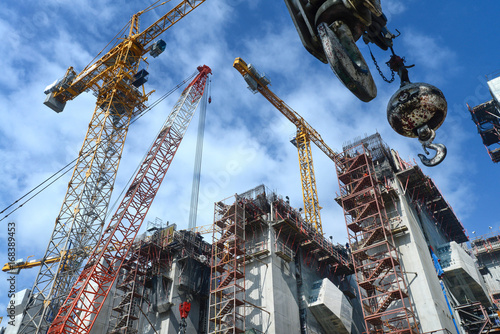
(425, 137)
(437, 159)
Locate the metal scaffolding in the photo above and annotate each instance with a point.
(487, 119)
(474, 318)
(238, 220)
(144, 277)
(130, 291)
(298, 235)
(381, 283)
(227, 284)
(486, 249)
(425, 196)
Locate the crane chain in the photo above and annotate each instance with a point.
(393, 74)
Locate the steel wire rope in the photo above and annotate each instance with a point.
(71, 164)
(195, 190)
(154, 104)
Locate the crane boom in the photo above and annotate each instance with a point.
(114, 80)
(288, 112)
(96, 74)
(305, 134)
(18, 265)
(15, 267)
(166, 21)
(90, 290)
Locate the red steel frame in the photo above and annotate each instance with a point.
(474, 318)
(86, 298)
(227, 280)
(382, 286)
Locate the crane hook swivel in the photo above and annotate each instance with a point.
(425, 137)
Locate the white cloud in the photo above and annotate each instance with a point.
(438, 61)
(393, 7)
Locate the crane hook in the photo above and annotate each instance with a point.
(425, 137)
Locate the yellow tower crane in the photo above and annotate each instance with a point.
(116, 79)
(305, 134)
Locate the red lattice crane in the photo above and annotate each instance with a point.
(86, 298)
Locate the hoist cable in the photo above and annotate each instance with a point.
(71, 164)
(154, 104)
(195, 190)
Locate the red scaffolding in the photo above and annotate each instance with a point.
(227, 283)
(382, 286)
(474, 318)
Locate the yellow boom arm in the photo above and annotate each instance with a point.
(305, 134)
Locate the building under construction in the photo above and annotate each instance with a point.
(407, 268)
(399, 225)
(486, 116)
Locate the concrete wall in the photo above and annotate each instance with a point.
(462, 275)
(331, 307)
(19, 300)
(309, 277)
(492, 275)
(425, 290)
(168, 322)
(272, 284)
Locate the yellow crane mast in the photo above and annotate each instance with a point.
(305, 134)
(116, 79)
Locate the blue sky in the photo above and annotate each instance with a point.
(451, 44)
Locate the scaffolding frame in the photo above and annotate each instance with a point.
(227, 284)
(486, 116)
(486, 244)
(474, 317)
(382, 286)
(128, 304)
(153, 256)
(424, 195)
(329, 258)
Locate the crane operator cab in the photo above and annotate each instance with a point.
(329, 30)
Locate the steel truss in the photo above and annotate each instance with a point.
(381, 283)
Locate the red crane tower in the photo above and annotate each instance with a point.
(87, 296)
